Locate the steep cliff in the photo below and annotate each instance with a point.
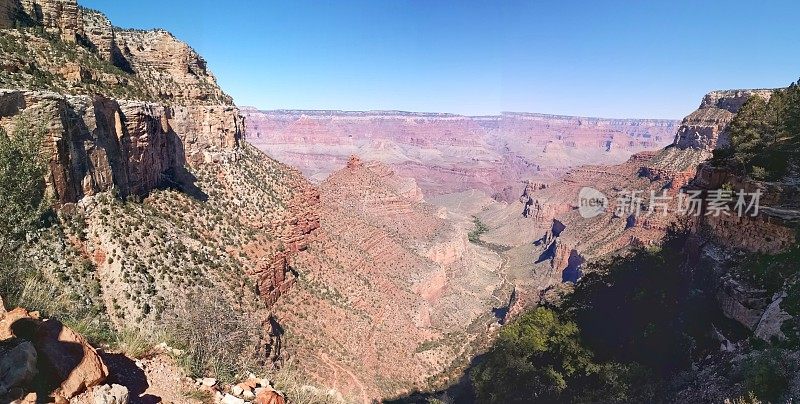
(704, 128)
(96, 143)
(62, 47)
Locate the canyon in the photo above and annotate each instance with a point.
(449, 153)
(357, 256)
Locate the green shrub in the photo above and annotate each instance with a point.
(766, 375)
(533, 360)
(765, 136)
(480, 228)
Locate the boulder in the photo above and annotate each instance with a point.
(70, 360)
(30, 398)
(269, 396)
(231, 399)
(18, 323)
(17, 364)
(113, 394)
(104, 394)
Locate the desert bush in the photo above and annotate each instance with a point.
(480, 228)
(218, 340)
(766, 375)
(533, 360)
(22, 187)
(133, 343)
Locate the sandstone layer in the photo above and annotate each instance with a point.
(450, 153)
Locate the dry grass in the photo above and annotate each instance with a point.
(217, 339)
(289, 380)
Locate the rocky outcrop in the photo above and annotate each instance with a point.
(97, 57)
(269, 396)
(17, 365)
(704, 128)
(61, 17)
(69, 358)
(100, 32)
(170, 68)
(274, 278)
(532, 207)
(66, 362)
(96, 143)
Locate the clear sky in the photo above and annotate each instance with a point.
(646, 59)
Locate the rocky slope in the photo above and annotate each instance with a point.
(388, 276)
(545, 225)
(156, 199)
(393, 294)
(75, 50)
(183, 125)
(168, 226)
(451, 153)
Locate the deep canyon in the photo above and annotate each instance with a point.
(349, 256)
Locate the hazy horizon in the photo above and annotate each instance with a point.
(613, 59)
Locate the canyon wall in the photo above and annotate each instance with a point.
(132, 112)
(449, 153)
(164, 112)
(563, 239)
(704, 128)
(96, 143)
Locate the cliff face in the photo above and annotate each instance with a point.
(161, 109)
(74, 50)
(137, 113)
(704, 128)
(96, 143)
(172, 69)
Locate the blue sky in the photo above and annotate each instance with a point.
(599, 58)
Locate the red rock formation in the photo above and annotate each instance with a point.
(96, 143)
(447, 153)
(274, 278)
(269, 396)
(69, 358)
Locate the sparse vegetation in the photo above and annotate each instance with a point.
(767, 375)
(218, 340)
(480, 228)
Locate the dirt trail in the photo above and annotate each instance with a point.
(336, 368)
